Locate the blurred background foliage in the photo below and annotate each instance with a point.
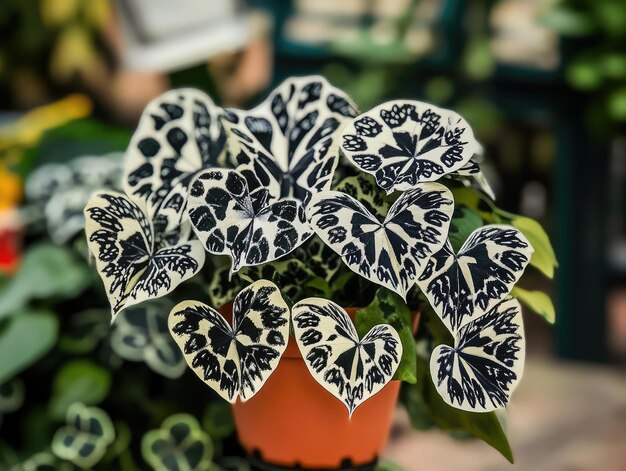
(542, 82)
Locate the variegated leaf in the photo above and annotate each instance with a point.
(463, 286)
(403, 143)
(251, 230)
(351, 369)
(59, 192)
(391, 253)
(179, 134)
(136, 260)
(234, 361)
(481, 371)
(289, 143)
(141, 334)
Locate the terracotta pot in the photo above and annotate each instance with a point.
(294, 422)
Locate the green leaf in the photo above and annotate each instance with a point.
(485, 426)
(79, 381)
(86, 436)
(389, 308)
(75, 139)
(543, 258)
(47, 271)
(179, 444)
(321, 285)
(464, 222)
(218, 419)
(538, 301)
(25, 338)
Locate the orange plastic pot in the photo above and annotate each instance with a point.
(294, 422)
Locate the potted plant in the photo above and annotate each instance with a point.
(300, 240)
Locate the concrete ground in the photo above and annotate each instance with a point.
(563, 417)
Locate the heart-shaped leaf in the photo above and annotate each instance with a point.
(351, 369)
(391, 253)
(229, 221)
(403, 143)
(289, 143)
(141, 334)
(85, 437)
(234, 361)
(179, 134)
(463, 286)
(486, 363)
(135, 258)
(180, 444)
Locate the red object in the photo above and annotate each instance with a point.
(293, 421)
(10, 245)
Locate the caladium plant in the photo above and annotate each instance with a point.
(301, 207)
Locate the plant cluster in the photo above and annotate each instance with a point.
(291, 211)
(373, 190)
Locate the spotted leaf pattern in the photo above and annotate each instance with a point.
(463, 286)
(136, 259)
(481, 371)
(288, 144)
(351, 369)
(391, 253)
(234, 361)
(403, 143)
(179, 134)
(249, 228)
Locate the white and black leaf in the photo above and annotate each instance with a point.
(142, 334)
(249, 228)
(235, 361)
(58, 192)
(135, 259)
(463, 286)
(392, 252)
(481, 371)
(351, 369)
(289, 143)
(403, 143)
(179, 134)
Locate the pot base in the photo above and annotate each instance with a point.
(257, 464)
